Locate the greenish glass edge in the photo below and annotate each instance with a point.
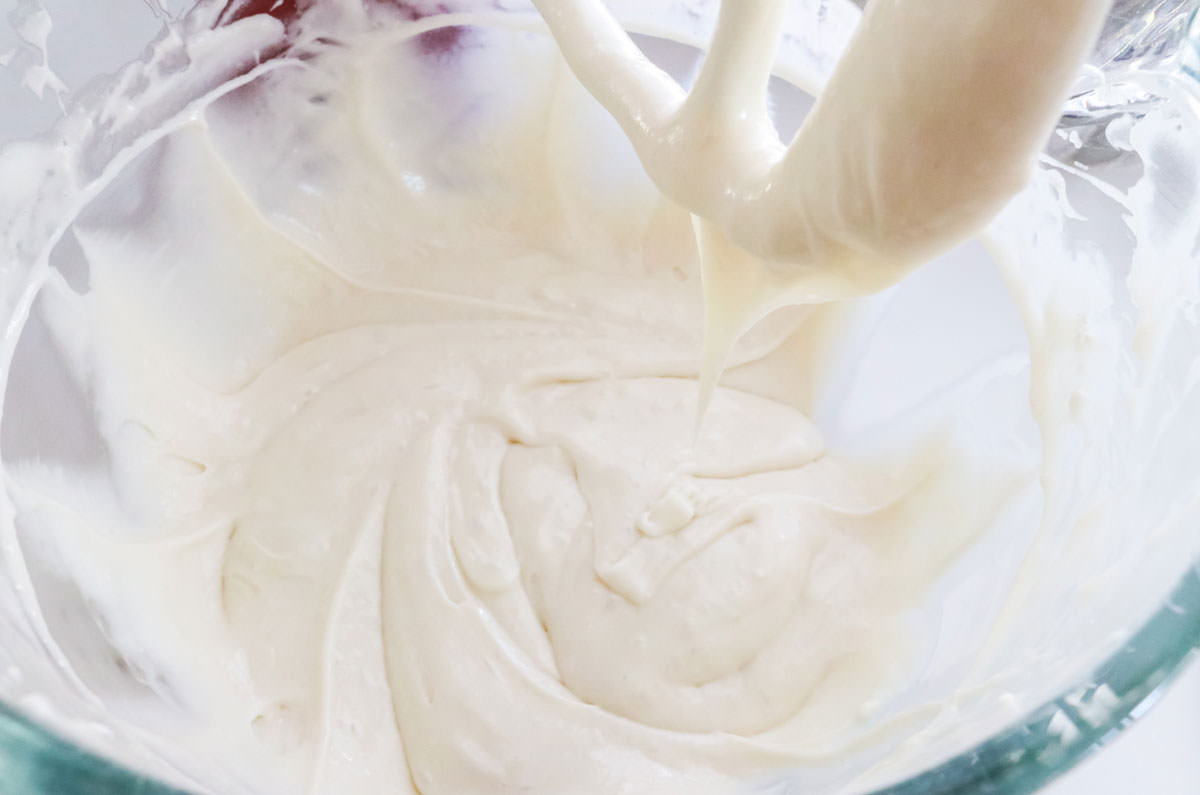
(1029, 755)
(1017, 761)
(35, 762)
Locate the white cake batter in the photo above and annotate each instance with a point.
(396, 376)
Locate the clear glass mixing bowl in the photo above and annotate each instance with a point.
(1139, 630)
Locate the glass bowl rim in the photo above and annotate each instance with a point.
(1019, 759)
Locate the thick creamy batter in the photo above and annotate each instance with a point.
(419, 472)
(393, 364)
